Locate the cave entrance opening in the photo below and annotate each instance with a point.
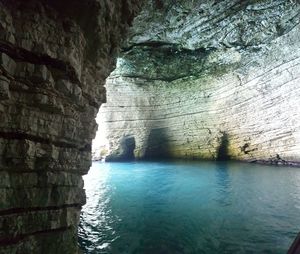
(100, 144)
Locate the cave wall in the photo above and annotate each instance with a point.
(208, 80)
(54, 58)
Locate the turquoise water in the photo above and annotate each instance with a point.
(189, 208)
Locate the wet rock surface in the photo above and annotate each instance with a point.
(194, 71)
(54, 58)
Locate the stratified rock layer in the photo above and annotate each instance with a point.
(54, 58)
(208, 80)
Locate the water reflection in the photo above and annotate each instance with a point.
(295, 181)
(189, 208)
(97, 212)
(223, 184)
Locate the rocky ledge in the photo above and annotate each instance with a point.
(208, 80)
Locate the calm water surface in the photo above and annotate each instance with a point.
(189, 208)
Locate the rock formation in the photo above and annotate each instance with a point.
(208, 80)
(54, 58)
(196, 79)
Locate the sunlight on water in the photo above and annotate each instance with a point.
(180, 207)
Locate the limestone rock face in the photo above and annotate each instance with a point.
(54, 58)
(208, 80)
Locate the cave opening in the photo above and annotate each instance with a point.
(100, 144)
(201, 98)
(222, 154)
(194, 80)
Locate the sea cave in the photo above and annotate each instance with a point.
(150, 127)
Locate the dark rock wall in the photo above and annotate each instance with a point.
(54, 58)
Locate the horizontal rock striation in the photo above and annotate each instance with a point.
(208, 80)
(54, 58)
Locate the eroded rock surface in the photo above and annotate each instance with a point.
(54, 58)
(209, 80)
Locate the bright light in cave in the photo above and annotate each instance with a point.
(100, 143)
